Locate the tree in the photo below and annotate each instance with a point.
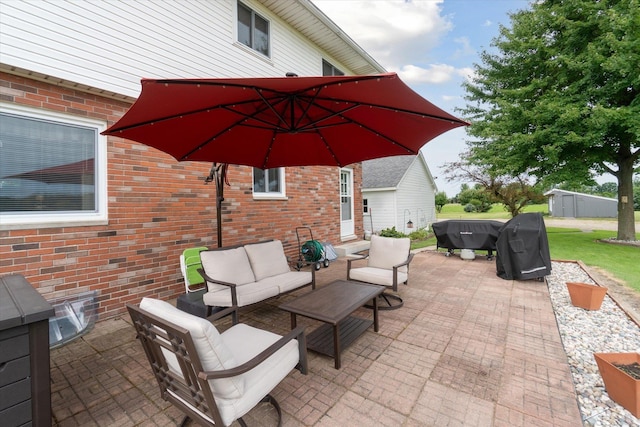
(441, 200)
(559, 101)
(513, 193)
(477, 197)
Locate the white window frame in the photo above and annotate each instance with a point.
(252, 47)
(31, 220)
(272, 195)
(335, 71)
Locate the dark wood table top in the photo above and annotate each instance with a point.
(333, 302)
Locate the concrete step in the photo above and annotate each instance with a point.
(352, 247)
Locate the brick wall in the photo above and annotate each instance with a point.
(157, 207)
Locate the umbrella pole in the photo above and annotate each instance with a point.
(219, 174)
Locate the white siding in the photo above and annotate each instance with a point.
(413, 199)
(383, 210)
(416, 198)
(111, 45)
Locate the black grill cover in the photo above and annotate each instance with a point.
(467, 234)
(523, 248)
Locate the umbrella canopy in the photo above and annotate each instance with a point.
(272, 122)
(283, 121)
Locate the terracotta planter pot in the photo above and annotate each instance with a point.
(621, 387)
(585, 295)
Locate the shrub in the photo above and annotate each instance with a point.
(421, 234)
(469, 207)
(392, 232)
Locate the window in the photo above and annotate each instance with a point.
(330, 70)
(365, 206)
(253, 30)
(52, 169)
(268, 183)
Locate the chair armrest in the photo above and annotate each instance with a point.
(394, 286)
(352, 259)
(232, 286)
(406, 262)
(261, 357)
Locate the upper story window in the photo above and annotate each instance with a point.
(330, 70)
(253, 30)
(268, 183)
(52, 169)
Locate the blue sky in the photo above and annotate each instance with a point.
(432, 45)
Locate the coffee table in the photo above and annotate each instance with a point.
(333, 304)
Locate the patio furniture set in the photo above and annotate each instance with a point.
(216, 378)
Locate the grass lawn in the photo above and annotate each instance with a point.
(456, 211)
(572, 244)
(623, 262)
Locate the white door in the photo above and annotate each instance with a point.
(346, 203)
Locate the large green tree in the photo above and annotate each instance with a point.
(558, 98)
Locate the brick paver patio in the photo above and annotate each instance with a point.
(467, 349)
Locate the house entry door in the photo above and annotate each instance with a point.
(346, 203)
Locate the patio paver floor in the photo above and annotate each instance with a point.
(467, 349)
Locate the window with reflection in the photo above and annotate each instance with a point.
(48, 167)
(253, 30)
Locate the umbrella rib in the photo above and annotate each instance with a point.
(268, 103)
(400, 110)
(181, 114)
(349, 120)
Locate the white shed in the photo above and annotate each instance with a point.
(570, 204)
(398, 192)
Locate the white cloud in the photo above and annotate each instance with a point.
(434, 74)
(487, 23)
(465, 47)
(467, 73)
(392, 31)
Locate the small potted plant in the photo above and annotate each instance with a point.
(621, 375)
(586, 295)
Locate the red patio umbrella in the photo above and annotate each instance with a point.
(271, 122)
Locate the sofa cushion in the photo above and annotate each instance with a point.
(214, 354)
(247, 294)
(267, 259)
(227, 265)
(288, 281)
(385, 252)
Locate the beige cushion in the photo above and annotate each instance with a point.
(249, 293)
(288, 281)
(228, 265)
(214, 354)
(385, 252)
(377, 276)
(267, 259)
(246, 343)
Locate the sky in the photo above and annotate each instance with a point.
(433, 46)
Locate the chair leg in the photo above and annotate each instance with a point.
(388, 302)
(267, 399)
(270, 399)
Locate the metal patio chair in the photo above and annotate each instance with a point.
(214, 378)
(387, 265)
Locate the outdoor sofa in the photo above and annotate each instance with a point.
(241, 275)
